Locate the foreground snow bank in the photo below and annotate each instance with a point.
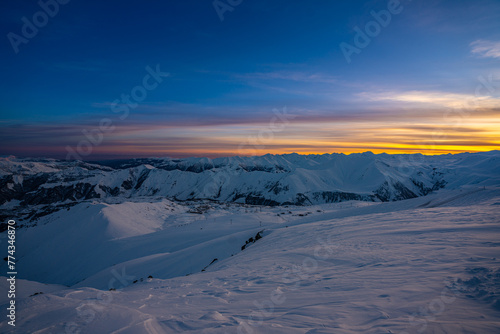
(426, 265)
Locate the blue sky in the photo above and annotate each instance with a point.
(226, 77)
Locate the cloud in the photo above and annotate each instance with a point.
(396, 121)
(485, 49)
(321, 136)
(435, 98)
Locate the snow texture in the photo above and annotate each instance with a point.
(145, 263)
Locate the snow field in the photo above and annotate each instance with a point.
(425, 265)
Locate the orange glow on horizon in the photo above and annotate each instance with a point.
(474, 135)
(399, 136)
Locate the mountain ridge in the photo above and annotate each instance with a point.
(37, 186)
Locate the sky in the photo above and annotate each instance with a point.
(95, 80)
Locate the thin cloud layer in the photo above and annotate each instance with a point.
(413, 87)
(486, 49)
(435, 98)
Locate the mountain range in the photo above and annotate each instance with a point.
(36, 187)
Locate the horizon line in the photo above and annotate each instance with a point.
(11, 156)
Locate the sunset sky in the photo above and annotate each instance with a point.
(254, 77)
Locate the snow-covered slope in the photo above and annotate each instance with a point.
(34, 187)
(357, 243)
(423, 265)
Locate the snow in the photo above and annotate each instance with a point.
(276, 179)
(20, 167)
(168, 246)
(424, 265)
(134, 219)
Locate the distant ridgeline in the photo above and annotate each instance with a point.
(39, 186)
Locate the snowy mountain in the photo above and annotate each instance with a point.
(41, 186)
(424, 265)
(357, 243)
